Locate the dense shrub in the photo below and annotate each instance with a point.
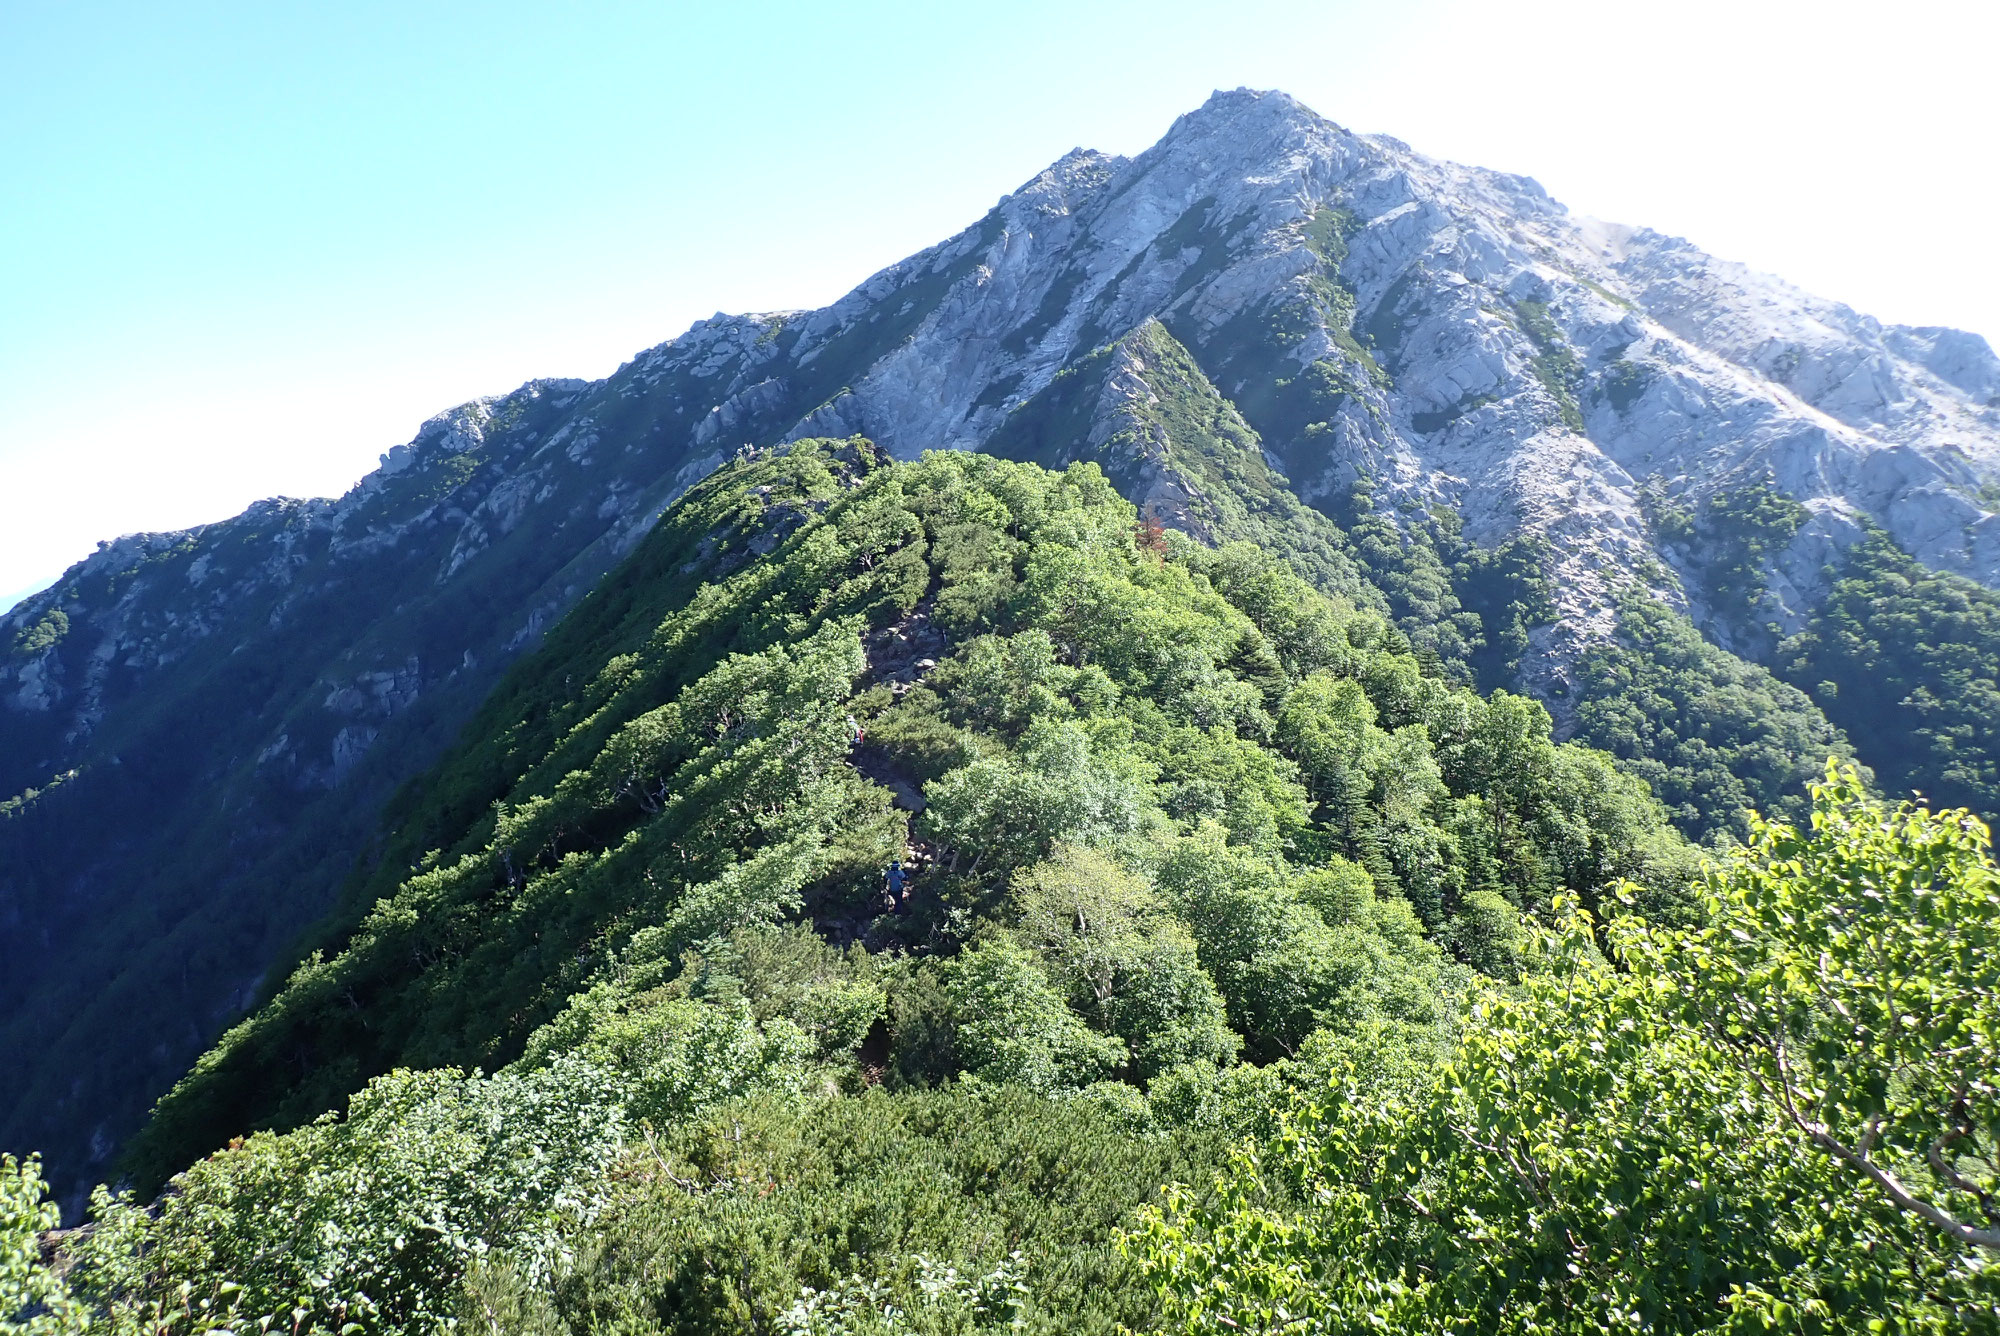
(1785, 1120)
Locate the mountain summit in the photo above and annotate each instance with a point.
(1415, 380)
(1450, 335)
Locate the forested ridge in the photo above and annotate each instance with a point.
(926, 897)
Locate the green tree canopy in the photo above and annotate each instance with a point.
(1784, 1119)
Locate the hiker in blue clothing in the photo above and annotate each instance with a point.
(896, 878)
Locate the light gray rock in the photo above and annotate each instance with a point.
(1689, 370)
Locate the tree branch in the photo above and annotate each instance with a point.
(1894, 1189)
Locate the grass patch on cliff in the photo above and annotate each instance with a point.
(1555, 363)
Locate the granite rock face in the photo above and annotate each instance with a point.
(1477, 347)
(1482, 350)
(198, 730)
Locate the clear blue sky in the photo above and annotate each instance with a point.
(244, 248)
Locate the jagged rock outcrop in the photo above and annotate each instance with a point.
(1241, 324)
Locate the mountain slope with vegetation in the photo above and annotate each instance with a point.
(1716, 739)
(1907, 660)
(1425, 389)
(1240, 972)
(1035, 678)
